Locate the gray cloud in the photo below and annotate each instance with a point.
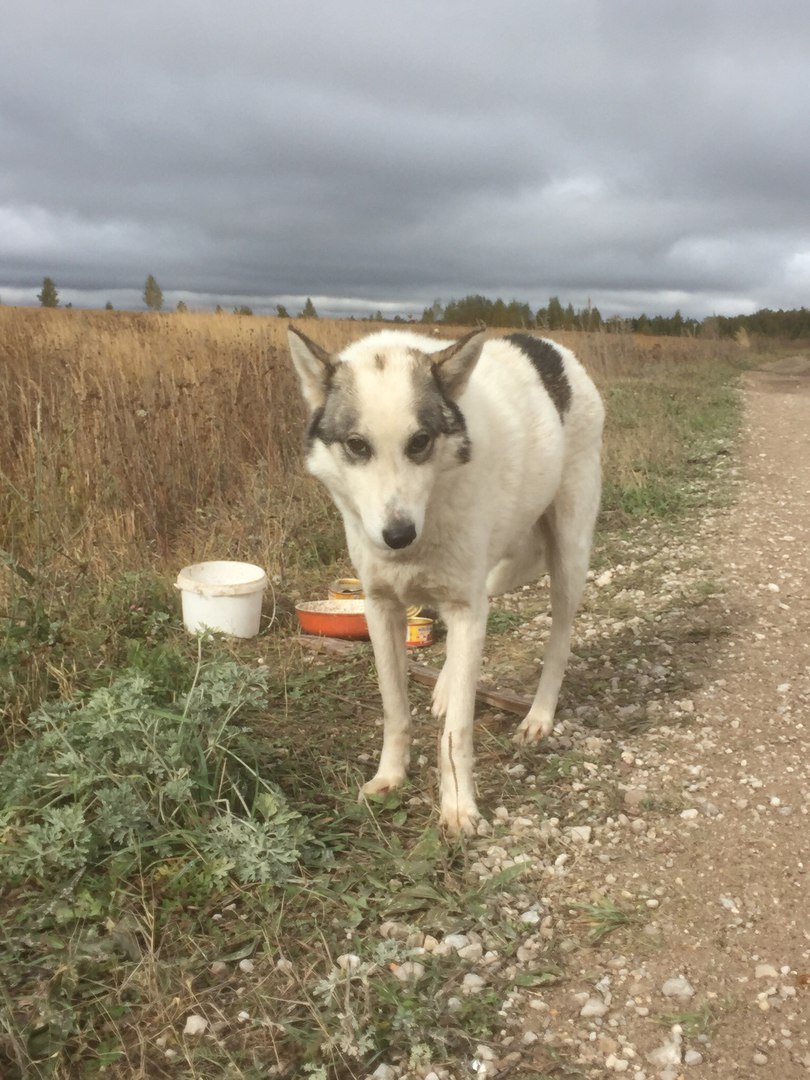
(648, 157)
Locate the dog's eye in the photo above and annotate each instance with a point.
(358, 448)
(419, 444)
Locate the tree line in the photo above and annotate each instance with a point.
(48, 297)
(474, 309)
(470, 310)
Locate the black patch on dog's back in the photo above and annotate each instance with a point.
(548, 363)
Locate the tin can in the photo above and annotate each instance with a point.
(346, 588)
(420, 632)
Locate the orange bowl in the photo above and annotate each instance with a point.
(333, 618)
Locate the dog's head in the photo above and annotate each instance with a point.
(385, 422)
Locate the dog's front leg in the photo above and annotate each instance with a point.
(386, 622)
(466, 629)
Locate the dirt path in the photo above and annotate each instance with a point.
(716, 981)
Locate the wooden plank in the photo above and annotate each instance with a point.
(500, 699)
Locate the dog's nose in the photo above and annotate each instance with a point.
(399, 534)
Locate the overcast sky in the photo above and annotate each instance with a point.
(379, 154)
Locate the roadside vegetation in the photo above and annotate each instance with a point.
(188, 887)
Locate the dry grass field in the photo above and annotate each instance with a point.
(143, 440)
(178, 818)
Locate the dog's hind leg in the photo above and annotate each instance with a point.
(466, 630)
(386, 623)
(568, 529)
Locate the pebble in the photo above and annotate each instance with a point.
(593, 1007)
(410, 971)
(195, 1025)
(580, 834)
(472, 983)
(384, 1072)
(678, 987)
(669, 1053)
(766, 971)
(472, 952)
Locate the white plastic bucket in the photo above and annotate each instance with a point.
(224, 596)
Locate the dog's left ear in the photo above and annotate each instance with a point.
(455, 364)
(313, 364)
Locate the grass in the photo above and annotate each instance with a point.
(179, 821)
(604, 917)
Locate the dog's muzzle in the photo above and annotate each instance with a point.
(399, 534)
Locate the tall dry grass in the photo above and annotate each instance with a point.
(141, 440)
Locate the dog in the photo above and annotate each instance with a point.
(461, 471)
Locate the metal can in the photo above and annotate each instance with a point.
(346, 588)
(420, 632)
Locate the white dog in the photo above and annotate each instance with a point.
(462, 471)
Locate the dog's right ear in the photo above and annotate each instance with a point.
(313, 364)
(454, 365)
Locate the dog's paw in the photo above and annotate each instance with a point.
(381, 784)
(460, 819)
(438, 705)
(534, 728)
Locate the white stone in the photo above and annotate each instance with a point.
(580, 834)
(456, 941)
(766, 971)
(384, 1072)
(472, 984)
(195, 1025)
(693, 1057)
(410, 971)
(348, 962)
(472, 952)
(678, 987)
(669, 1053)
(593, 1007)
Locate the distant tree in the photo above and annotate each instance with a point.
(309, 311)
(108, 306)
(282, 312)
(243, 309)
(49, 297)
(152, 294)
(555, 315)
(182, 305)
(220, 310)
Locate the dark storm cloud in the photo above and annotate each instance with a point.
(646, 156)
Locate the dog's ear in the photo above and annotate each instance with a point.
(313, 364)
(455, 364)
